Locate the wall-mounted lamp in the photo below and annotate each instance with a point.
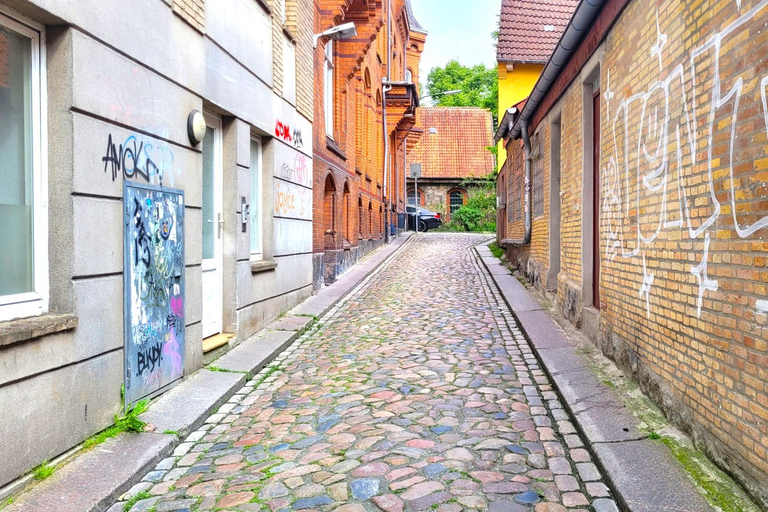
(196, 127)
(336, 33)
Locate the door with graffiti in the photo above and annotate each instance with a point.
(212, 225)
(154, 288)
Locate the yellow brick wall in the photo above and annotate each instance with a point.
(684, 209)
(299, 23)
(276, 7)
(192, 11)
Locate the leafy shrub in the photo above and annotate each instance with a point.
(469, 217)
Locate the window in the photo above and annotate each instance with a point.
(256, 207)
(412, 197)
(360, 216)
(23, 176)
(408, 76)
(328, 96)
(289, 70)
(456, 198)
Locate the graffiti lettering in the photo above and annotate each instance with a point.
(670, 157)
(141, 240)
(303, 173)
(283, 131)
(154, 223)
(298, 142)
(148, 359)
(140, 160)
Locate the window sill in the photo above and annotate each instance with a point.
(262, 266)
(23, 329)
(331, 144)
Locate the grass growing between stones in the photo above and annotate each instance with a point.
(497, 251)
(130, 422)
(713, 484)
(43, 471)
(143, 495)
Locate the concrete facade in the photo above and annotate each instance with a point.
(648, 154)
(230, 59)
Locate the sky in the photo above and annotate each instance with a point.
(458, 29)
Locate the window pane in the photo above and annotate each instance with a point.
(255, 197)
(209, 207)
(16, 191)
(289, 73)
(457, 201)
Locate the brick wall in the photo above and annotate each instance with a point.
(191, 11)
(682, 205)
(299, 23)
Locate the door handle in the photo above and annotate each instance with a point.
(221, 224)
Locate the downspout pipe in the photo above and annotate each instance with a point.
(528, 188)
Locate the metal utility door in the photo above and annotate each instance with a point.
(154, 289)
(212, 226)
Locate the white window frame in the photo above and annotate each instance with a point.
(328, 89)
(36, 302)
(258, 174)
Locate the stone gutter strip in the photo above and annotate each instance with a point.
(93, 480)
(643, 473)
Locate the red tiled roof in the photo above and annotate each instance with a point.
(530, 29)
(454, 142)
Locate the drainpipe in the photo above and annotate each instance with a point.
(528, 212)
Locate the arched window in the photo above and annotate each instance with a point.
(329, 212)
(456, 200)
(412, 197)
(360, 222)
(370, 220)
(408, 76)
(345, 207)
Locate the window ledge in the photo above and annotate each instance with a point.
(334, 147)
(262, 266)
(23, 329)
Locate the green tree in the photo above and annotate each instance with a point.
(479, 86)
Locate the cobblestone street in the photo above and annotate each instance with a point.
(417, 392)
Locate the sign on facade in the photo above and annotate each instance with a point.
(415, 171)
(154, 289)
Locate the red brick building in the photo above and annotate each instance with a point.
(636, 194)
(451, 144)
(359, 179)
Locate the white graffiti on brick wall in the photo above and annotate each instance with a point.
(660, 173)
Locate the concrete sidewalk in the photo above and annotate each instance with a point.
(94, 479)
(643, 472)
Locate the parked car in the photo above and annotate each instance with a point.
(426, 219)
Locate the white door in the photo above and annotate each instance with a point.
(212, 226)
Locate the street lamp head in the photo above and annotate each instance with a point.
(336, 33)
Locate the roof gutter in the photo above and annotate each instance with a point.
(580, 22)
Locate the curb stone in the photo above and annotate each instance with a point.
(92, 481)
(644, 474)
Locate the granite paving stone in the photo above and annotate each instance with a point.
(417, 391)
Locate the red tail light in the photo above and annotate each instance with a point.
(437, 215)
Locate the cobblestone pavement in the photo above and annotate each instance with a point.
(418, 392)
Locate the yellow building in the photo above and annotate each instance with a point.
(528, 33)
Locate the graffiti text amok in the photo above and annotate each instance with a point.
(134, 159)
